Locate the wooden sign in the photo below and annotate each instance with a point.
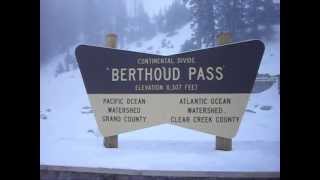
(205, 90)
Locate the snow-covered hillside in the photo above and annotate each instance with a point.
(172, 43)
(69, 134)
(270, 62)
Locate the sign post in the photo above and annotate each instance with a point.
(111, 141)
(205, 90)
(222, 143)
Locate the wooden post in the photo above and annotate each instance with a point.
(223, 38)
(111, 40)
(222, 143)
(111, 141)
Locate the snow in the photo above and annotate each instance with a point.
(271, 60)
(69, 137)
(176, 40)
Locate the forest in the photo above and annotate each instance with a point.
(65, 23)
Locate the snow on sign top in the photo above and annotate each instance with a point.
(205, 90)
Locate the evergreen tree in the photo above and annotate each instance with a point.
(203, 24)
(244, 19)
(140, 25)
(121, 19)
(160, 21)
(189, 45)
(91, 21)
(60, 25)
(231, 17)
(261, 15)
(60, 69)
(173, 17)
(102, 17)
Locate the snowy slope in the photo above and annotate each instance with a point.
(270, 62)
(69, 134)
(176, 41)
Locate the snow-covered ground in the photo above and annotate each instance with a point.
(270, 62)
(174, 42)
(69, 134)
